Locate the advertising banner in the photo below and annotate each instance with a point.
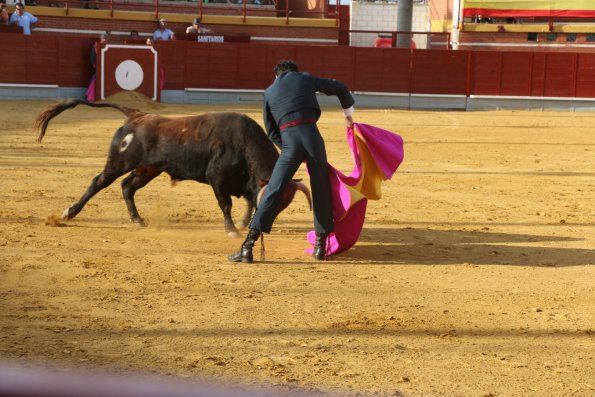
(529, 8)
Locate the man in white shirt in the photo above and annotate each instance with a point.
(163, 32)
(22, 18)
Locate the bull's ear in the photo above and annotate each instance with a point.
(263, 182)
(297, 180)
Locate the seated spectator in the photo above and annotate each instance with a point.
(87, 4)
(163, 32)
(482, 19)
(3, 13)
(135, 38)
(22, 18)
(197, 28)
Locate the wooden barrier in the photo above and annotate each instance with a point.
(64, 61)
(58, 60)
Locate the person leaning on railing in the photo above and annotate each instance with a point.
(163, 32)
(22, 18)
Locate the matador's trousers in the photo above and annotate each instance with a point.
(299, 143)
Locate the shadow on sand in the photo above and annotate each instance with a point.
(444, 247)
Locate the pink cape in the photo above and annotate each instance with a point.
(377, 154)
(90, 94)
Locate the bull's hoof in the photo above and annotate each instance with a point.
(66, 214)
(243, 224)
(139, 221)
(234, 234)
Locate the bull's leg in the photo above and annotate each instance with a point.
(98, 183)
(225, 204)
(124, 154)
(247, 215)
(136, 180)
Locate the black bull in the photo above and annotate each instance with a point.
(226, 150)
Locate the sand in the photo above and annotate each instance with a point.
(474, 275)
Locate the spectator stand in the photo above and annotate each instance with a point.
(244, 8)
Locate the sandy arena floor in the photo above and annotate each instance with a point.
(474, 275)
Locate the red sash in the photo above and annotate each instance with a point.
(297, 122)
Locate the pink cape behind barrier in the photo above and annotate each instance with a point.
(377, 154)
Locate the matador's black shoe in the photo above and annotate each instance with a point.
(245, 253)
(320, 247)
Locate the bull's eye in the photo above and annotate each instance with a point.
(125, 142)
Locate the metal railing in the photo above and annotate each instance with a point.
(243, 8)
(403, 39)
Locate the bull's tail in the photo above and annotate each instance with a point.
(44, 118)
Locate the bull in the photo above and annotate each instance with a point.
(227, 150)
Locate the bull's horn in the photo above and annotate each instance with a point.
(260, 194)
(304, 188)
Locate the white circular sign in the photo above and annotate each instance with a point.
(129, 75)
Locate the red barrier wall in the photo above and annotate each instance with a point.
(381, 70)
(440, 72)
(585, 76)
(64, 61)
(56, 60)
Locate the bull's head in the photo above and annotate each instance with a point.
(288, 195)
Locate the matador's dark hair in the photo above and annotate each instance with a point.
(285, 65)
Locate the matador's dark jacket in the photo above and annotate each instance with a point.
(292, 96)
(290, 114)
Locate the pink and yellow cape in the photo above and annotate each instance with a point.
(377, 154)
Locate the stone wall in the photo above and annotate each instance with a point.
(381, 16)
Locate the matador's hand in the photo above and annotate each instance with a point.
(348, 122)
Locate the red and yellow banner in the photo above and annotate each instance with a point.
(529, 8)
